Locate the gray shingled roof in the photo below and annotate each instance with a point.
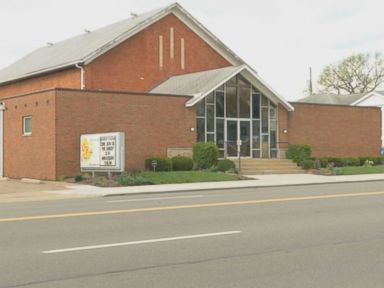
(332, 99)
(75, 50)
(197, 84)
(84, 48)
(200, 84)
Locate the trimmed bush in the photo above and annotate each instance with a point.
(181, 163)
(335, 162)
(225, 165)
(350, 161)
(205, 154)
(299, 152)
(307, 164)
(376, 160)
(163, 163)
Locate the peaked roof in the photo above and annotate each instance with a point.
(84, 48)
(197, 84)
(200, 84)
(332, 99)
(361, 100)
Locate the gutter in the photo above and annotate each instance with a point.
(82, 82)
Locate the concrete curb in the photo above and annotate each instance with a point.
(230, 188)
(260, 182)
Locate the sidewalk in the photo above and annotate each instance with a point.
(17, 191)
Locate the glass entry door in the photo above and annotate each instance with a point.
(245, 137)
(232, 138)
(238, 130)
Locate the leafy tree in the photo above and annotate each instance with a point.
(358, 73)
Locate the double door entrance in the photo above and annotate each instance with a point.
(238, 132)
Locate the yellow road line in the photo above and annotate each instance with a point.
(189, 206)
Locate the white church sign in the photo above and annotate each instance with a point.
(102, 152)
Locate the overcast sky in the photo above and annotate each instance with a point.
(280, 39)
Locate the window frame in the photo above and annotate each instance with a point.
(27, 133)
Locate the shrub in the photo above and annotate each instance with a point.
(324, 162)
(298, 152)
(350, 161)
(79, 178)
(317, 164)
(307, 164)
(181, 163)
(124, 179)
(376, 160)
(205, 154)
(163, 163)
(225, 165)
(335, 162)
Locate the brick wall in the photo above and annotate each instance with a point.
(134, 64)
(30, 156)
(283, 124)
(67, 78)
(336, 130)
(151, 124)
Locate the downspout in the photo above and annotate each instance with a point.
(82, 82)
(2, 109)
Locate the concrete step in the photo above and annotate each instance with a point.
(255, 165)
(267, 166)
(264, 172)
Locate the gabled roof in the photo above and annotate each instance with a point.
(366, 96)
(332, 99)
(84, 48)
(200, 84)
(197, 84)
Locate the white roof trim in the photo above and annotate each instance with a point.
(191, 22)
(177, 10)
(194, 100)
(125, 36)
(241, 69)
(365, 97)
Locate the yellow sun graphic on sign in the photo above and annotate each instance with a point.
(86, 149)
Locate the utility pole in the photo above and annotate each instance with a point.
(310, 88)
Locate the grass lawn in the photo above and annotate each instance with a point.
(358, 170)
(186, 177)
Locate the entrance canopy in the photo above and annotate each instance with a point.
(200, 84)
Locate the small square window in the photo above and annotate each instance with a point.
(27, 125)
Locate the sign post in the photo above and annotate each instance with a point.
(239, 143)
(102, 153)
(154, 165)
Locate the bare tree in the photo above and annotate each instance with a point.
(358, 73)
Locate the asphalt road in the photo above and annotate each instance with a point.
(304, 236)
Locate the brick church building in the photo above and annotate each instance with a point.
(166, 81)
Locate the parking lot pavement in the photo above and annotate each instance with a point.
(17, 191)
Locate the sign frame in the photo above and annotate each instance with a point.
(102, 152)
